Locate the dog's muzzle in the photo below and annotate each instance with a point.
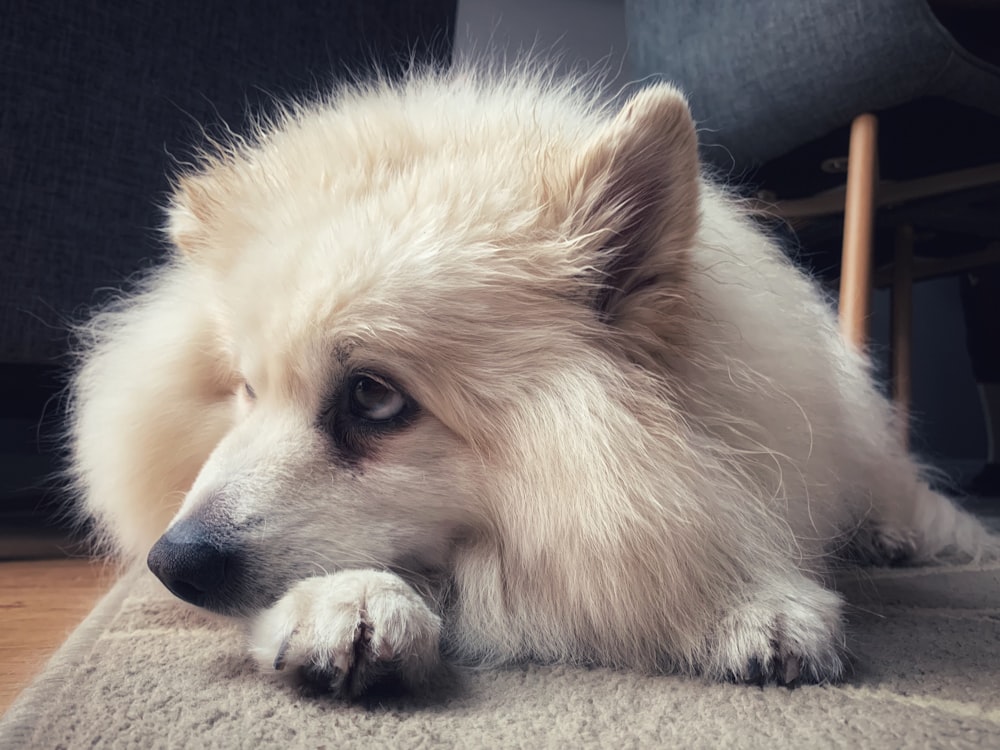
(198, 566)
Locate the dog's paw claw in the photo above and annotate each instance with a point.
(789, 670)
(279, 658)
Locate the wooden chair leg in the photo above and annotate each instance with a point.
(859, 215)
(902, 326)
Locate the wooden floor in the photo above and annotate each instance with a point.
(41, 601)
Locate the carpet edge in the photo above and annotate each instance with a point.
(19, 722)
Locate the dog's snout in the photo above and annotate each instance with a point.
(192, 562)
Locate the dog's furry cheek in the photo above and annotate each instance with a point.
(150, 403)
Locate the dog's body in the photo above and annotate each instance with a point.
(471, 360)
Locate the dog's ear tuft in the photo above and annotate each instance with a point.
(637, 199)
(192, 211)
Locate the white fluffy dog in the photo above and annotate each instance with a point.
(472, 365)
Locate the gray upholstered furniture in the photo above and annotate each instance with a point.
(768, 76)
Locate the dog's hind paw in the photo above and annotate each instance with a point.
(349, 632)
(787, 634)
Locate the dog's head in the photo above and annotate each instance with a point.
(422, 297)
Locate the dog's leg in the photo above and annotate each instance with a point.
(347, 631)
(785, 630)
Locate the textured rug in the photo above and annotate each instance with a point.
(146, 671)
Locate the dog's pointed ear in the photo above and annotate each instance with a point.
(194, 209)
(188, 213)
(636, 200)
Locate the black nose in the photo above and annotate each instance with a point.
(193, 562)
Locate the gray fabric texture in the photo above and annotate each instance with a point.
(769, 75)
(147, 671)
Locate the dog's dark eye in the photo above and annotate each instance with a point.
(366, 408)
(375, 400)
(251, 393)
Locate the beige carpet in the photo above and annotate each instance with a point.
(147, 671)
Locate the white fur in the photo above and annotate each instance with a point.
(353, 624)
(641, 440)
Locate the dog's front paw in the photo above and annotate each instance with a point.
(347, 631)
(786, 633)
